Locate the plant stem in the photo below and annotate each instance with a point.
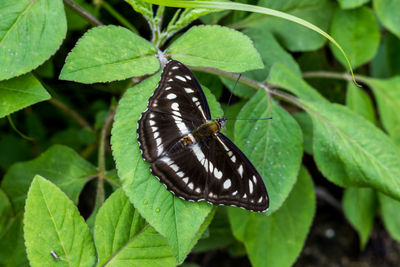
(78, 118)
(83, 13)
(334, 75)
(102, 159)
(118, 17)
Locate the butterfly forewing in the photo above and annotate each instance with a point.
(195, 167)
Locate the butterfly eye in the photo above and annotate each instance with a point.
(188, 154)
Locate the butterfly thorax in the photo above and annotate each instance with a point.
(208, 128)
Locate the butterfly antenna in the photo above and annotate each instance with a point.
(230, 97)
(262, 119)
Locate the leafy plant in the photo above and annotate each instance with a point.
(69, 196)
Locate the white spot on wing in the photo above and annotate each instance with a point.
(254, 179)
(190, 186)
(180, 78)
(174, 167)
(240, 170)
(180, 174)
(171, 96)
(251, 187)
(233, 158)
(259, 201)
(185, 180)
(151, 122)
(189, 90)
(227, 183)
(168, 87)
(188, 77)
(234, 193)
(197, 190)
(174, 67)
(217, 173)
(195, 99)
(175, 106)
(154, 129)
(158, 140)
(156, 134)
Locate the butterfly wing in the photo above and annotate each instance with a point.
(232, 179)
(177, 106)
(214, 170)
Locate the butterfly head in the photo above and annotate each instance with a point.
(221, 122)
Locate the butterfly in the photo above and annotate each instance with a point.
(187, 152)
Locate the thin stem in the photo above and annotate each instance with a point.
(118, 16)
(83, 13)
(334, 75)
(102, 159)
(78, 118)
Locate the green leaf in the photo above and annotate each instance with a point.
(60, 164)
(359, 206)
(17, 148)
(12, 247)
(390, 214)
(6, 211)
(271, 53)
(30, 32)
(294, 37)
(277, 240)
(357, 31)
(351, 152)
(282, 76)
(348, 4)
(387, 95)
(144, 8)
(123, 237)
(388, 13)
(178, 220)
(360, 102)
(53, 223)
(216, 47)
(220, 233)
(19, 93)
(393, 57)
(121, 55)
(274, 151)
(305, 122)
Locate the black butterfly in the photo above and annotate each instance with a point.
(186, 150)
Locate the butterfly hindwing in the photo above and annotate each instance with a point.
(233, 180)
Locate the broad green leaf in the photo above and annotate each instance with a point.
(305, 123)
(282, 76)
(18, 149)
(216, 47)
(60, 164)
(277, 240)
(178, 220)
(123, 237)
(357, 32)
(388, 13)
(12, 247)
(360, 102)
(359, 206)
(390, 214)
(392, 56)
(348, 4)
(387, 95)
(144, 8)
(271, 52)
(294, 37)
(273, 149)
(19, 93)
(351, 152)
(53, 223)
(6, 211)
(220, 233)
(30, 32)
(121, 55)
